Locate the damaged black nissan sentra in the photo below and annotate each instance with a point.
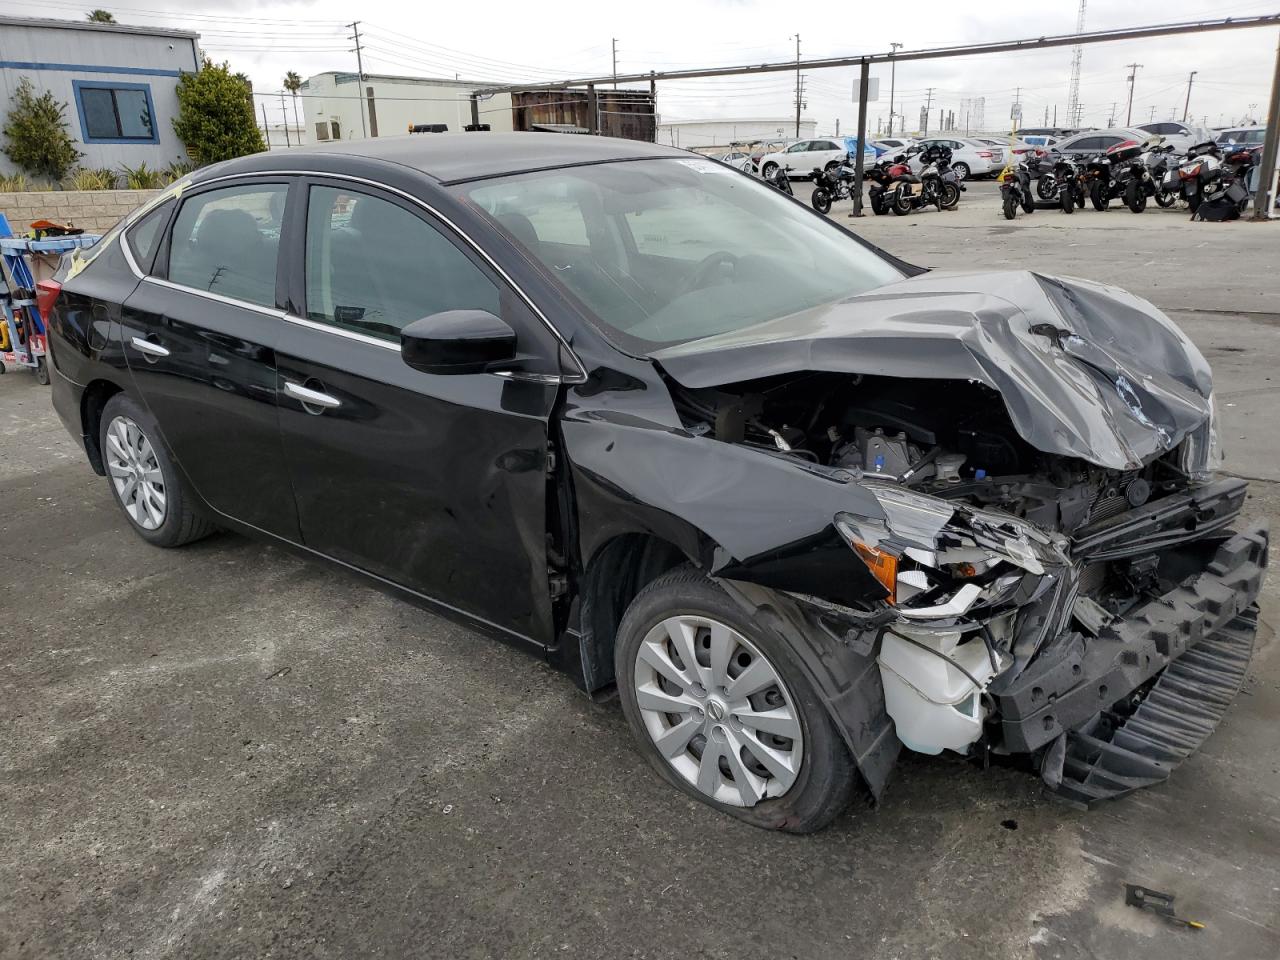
(802, 504)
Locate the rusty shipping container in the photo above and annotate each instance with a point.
(628, 114)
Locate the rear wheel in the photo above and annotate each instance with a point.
(1047, 187)
(901, 203)
(1010, 205)
(1135, 197)
(42, 371)
(1098, 195)
(722, 709)
(1028, 204)
(144, 480)
(878, 205)
(821, 200)
(950, 196)
(1166, 198)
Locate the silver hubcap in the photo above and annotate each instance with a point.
(718, 711)
(135, 473)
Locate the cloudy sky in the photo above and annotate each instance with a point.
(512, 42)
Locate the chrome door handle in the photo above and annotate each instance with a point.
(146, 346)
(309, 397)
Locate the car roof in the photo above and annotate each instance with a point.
(456, 157)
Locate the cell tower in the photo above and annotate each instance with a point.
(1074, 112)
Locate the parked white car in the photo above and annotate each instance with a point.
(891, 145)
(801, 157)
(1245, 136)
(969, 158)
(1183, 136)
(737, 159)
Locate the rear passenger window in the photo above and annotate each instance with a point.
(374, 267)
(144, 236)
(225, 241)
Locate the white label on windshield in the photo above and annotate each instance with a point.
(706, 166)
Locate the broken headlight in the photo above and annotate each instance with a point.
(937, 559)
(1200, 455)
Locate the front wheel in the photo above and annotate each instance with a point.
(721, 707)
(821, 200)
(1066, 200)
(1098, 195)
(1135, 197)
(950, 196)
(1009, 205)
(144, 480)
(1047, 187)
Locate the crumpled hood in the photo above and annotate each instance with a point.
(1085, 370)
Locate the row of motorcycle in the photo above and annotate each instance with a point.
(894, 186)
(1212, 182)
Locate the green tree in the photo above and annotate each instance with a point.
(35, 134)
(215, 114)
(100, 16)
(293, 83)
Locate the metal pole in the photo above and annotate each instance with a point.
(1265, 198)
(355, 30)
(615, 63)
(475, 110)
(797, 86)
(285, 114)
(266, 129)
(593, 109)
(1187, 106)
(893, 76)
(1133, 75)
(858, 164)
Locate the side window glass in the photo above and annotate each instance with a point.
(225, 241)
(144, 236)
(374, 267)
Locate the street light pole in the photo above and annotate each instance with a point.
(893, 73)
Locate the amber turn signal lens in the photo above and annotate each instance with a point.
(883, 566)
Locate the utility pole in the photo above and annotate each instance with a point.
(1153, 115)
(355, 35)
(1133, 75)
(1264, 200)
(837, 128)
(266, 128)
(927, 104)
(893, 71)
(285, 114)
(1055, 115)
(1187, 106)
(1111, 118)
(797, 38)
(615, 63)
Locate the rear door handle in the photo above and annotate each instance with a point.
(148, 347)
(309, 397)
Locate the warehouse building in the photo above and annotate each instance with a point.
(693, 134)
(119, 83)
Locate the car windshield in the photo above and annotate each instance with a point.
(667, 251)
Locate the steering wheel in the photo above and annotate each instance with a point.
(702, 272)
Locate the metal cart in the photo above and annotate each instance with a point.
(22, 340)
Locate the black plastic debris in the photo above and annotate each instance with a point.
(1157, 902)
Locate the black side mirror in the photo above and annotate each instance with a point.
(457, 341)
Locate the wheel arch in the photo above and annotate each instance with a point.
(94, 400)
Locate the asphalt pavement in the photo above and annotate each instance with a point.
(224, 751)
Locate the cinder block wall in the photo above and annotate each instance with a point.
(94, 211)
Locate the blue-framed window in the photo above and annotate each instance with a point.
(112, 111)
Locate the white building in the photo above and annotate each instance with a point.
(281, 136)
(337, 106)
(118, 82)
(691, 134)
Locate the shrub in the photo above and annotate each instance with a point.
(14, 183)
(178, 169)
(143, 177)
(215, 114)
(35, 134)
(83, 178)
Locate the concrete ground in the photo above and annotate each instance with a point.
(226, 752)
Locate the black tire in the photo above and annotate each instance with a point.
(1165, 199)
(42, 371)
(1028, 203)
(182, 524)
(1193, 201)
(821, 200)
(1098, 195)
(961, 170)
(950, 196)
(1009, 205)
(1135, 197)
(1066, 200)
(768, 170)
(827, 777)
(1047, 187)
(878, 206)
(901, 204)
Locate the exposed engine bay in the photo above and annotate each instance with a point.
(989, 551)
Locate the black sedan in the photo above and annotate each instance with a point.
(800, 503)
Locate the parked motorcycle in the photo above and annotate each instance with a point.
(779, 180)
(936, 185)
(831, 185)
(1102, 173)
(1015, 189)
(1225, 194)
(1142, 176)
(1196, 169)
(1069, 179)
(884, 174)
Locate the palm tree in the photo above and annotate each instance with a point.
(100, 16)
(293, 83)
